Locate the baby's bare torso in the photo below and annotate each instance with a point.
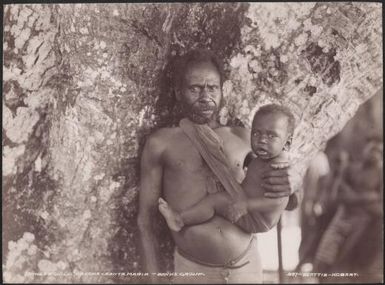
(255, 171)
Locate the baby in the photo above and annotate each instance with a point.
(271, 136)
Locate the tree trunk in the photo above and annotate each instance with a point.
(85, 83)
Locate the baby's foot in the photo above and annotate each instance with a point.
(173, 219)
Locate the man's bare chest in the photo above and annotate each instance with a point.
(181, 155)
(186, 178)
(181, 152)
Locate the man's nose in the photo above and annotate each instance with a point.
(204, 95)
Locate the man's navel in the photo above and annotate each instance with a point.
(179, 163)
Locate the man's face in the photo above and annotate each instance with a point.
(269, 135)
(201, 92)
(373, 152)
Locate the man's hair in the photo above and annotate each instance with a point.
(193, 57)
(277, 109)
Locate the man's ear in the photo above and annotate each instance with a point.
(288, 143)
(178, 93)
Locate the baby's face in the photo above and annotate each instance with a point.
(269, 135)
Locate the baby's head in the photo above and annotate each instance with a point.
(272, 131)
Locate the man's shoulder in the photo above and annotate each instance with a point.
(164, 136)
(159, 141)
(162, 133)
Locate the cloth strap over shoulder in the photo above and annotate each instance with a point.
(210, 146)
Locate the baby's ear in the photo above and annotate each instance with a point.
(288, 143)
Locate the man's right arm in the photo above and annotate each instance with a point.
(150, 191)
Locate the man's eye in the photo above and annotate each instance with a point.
(212, 88)
(195, 89)
(271, 136)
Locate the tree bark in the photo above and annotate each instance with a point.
(84, 84)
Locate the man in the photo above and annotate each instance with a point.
(344, 247)
(173, 168)
(315, 177)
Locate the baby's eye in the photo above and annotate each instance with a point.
(255, 134)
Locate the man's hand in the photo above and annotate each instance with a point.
(280, 181)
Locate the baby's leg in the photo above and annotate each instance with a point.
(206, 208)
